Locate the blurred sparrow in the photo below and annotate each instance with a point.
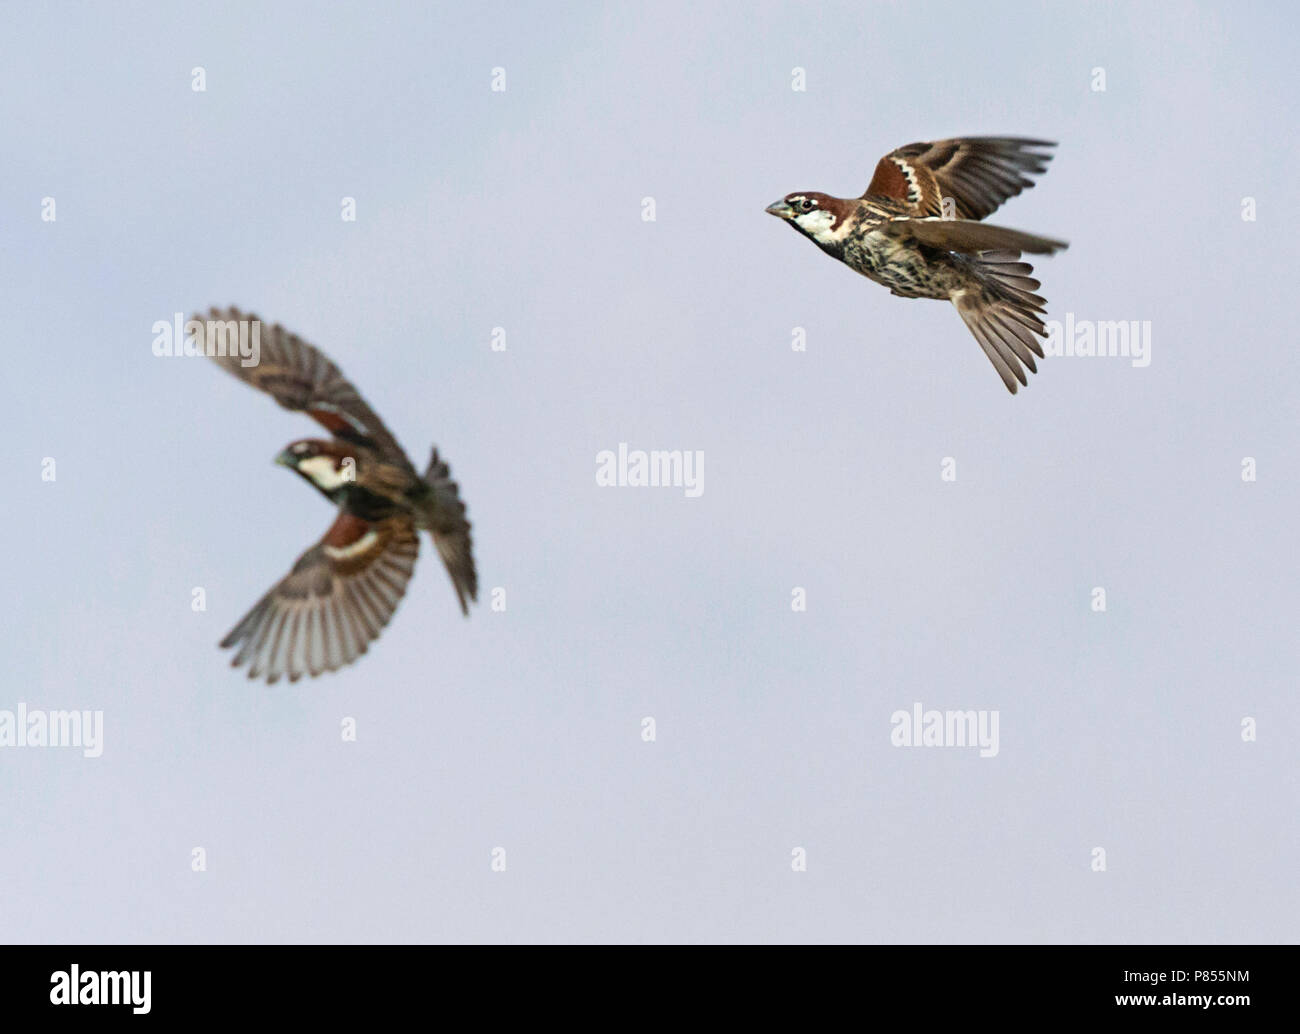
(342, 591)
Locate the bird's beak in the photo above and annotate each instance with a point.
(779, 209)
(285, 459)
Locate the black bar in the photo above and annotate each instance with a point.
(380, 983)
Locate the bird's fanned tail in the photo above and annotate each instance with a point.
(451, 530)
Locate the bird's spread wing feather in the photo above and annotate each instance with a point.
(302, 378)
(1005, 314)
(334, 602)
(977, 172)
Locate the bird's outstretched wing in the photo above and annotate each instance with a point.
(977, 172)
(1005, 315)
(334, 602)
(302, 378)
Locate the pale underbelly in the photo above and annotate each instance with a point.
(912, 272)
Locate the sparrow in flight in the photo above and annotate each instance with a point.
(917, 231)
(341, 592)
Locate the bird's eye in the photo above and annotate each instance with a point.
(806, 205)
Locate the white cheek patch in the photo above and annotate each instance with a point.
(816, 224)
(347, 552)
(321, 470)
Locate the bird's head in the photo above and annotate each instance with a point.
(328, 465)
(813, 214)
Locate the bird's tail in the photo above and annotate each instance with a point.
(1002, 311)
(444, 516)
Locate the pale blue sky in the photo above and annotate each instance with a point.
(522, 729)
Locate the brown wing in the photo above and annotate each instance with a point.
(977, 172)
(302, 378)
(1005, 317)
(337, 599)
